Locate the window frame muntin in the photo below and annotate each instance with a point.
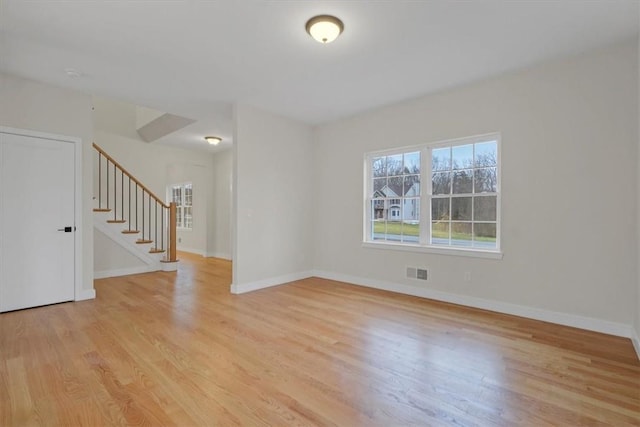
(423, 244)
(181, 207)
(368, 189)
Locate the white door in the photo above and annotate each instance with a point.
(37, 179)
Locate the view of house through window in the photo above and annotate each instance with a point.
(182, 196)
(396, 197)
(460, 203)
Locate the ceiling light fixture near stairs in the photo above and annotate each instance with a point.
(324, 28)
(213, 140)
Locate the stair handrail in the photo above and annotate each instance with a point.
(126, 172)
(171, 255)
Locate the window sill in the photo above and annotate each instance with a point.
(473, 253)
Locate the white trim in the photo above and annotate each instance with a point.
(123, 271)
(169, 265)
(190, 250)
(576, 321)
(80, 293)
(221, 255)
(266, 283)
(635, 340)
(181, 206)
(86, 294)
(426, 150)
(466, 252)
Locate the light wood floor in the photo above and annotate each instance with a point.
(167, 349)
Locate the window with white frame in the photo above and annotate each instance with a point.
(457, 205)
(182, 196)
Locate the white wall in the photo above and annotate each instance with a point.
(26, 104)
(273, 199)
(569, 135)
(219, 233)
(158, 166)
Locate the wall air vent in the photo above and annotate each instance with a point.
(417, 273)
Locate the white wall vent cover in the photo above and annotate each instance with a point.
(417, 273)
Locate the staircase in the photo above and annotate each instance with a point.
(133, 217)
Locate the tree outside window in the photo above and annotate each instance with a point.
(444, 194)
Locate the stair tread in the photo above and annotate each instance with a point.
(101, 210)
(142, 241)
(116, 221)
(156, 251)
(130, 231)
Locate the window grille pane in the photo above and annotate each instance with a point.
(379, 167)
(394, 165)
(462, 156)
(463, 182)
(176, 195)
(412, 163)
(411, 210)
(441, 159)
(484, 208)
(440, 233)
(440, 209)
(378, 209)
(441, 183)
(410, 232)
(486, 180)
(411, 185)
(461, 209)
(461, 234)
(378, 187)
(394, 184)
(484, 235)
(188, 192)
(379, 230)
(188, 218)
(486, 154)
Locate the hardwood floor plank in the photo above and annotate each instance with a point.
(179, 349)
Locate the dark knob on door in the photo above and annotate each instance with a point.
(66, 229)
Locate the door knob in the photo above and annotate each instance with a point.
(66, 229)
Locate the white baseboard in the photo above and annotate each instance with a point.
(125, 271)
(191, 250)
(169, 266)
(221, 255)
(635, 339)
(266, 283)
(576, 321)
(588, 323)
(86, 294)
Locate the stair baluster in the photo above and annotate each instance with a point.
(151, 225)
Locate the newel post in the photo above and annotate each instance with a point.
(172, 231)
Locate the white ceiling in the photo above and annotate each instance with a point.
(196, 57)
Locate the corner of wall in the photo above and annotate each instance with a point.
(241, 288)
(635, 339)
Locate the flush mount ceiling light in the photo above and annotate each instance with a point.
(213, 140)
(324, 28)
(72, 73)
